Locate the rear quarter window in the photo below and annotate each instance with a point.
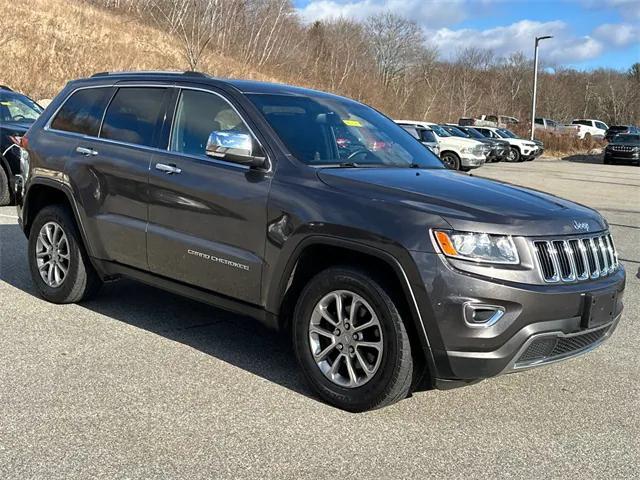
(82, 111)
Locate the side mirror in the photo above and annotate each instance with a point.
(234, 147)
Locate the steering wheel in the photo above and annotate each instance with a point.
(361, 151)
(17, 118)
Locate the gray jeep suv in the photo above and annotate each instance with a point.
(389, 272)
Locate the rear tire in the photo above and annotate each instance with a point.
(339, 375)
(5, 188)
(60, 267)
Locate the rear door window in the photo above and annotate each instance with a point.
(133, 115)
(83, 110)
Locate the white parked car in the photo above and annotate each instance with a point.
(455, 152)
(426, 137)
(588, 128)
(521, 149)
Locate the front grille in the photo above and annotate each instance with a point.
(622, 148)
(576, 259)
(548, 349)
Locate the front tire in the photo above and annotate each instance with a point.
(514, 155)
(60, 267)
(451, 160)
(351, 342)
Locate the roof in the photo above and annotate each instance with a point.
(244, 86)
(420, 123)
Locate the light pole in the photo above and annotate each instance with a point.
(535, 82)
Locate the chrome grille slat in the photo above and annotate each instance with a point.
(596, 272)
(605, 257)
(576, 259)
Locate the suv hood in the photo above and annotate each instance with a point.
(468, 203)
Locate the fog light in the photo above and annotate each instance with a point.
(481, 315)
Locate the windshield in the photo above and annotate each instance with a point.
(626, 138)
(473, 133)
(325, 131)
(456, 132)
(15, 107)
(439, 131)
(506, 133)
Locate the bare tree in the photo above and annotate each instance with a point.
(396, 44)
(191, 21)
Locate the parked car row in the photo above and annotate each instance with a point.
(464, 147)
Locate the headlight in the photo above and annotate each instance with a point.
(478, 247)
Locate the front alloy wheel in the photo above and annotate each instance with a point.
(350, 341)
(450, 160)
(52, 254)
(346, 338)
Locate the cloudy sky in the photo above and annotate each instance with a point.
(587, 33)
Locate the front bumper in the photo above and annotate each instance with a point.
(624, 156)
(472, 161)
(541, 324)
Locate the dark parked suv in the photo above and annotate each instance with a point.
(17, 113)
(389, 271)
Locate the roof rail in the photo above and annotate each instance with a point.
(150, 72)
(4, 87)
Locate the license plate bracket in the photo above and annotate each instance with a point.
(599, 308)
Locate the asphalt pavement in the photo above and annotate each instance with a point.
(140, 383)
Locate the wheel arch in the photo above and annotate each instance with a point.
(318, 253)
(442, 152)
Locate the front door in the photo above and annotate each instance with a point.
(207, 217)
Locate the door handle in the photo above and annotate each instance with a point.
(168, 169)
(87, 152)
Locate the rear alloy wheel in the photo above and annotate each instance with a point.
(350, 341)
(450, 160)
(60, 267)
(514, 155)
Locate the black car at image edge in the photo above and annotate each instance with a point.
(388, 272)
(17, 113)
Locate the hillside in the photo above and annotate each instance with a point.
(45, 43)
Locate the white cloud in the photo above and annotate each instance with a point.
(519, 36)
(431, 14)
(629, 9)
(618, 34)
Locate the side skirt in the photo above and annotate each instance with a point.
(110, 271)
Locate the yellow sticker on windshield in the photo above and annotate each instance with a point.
(352, 123)
(6, 104)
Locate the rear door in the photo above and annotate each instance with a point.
(207, 217)
(111, 171)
